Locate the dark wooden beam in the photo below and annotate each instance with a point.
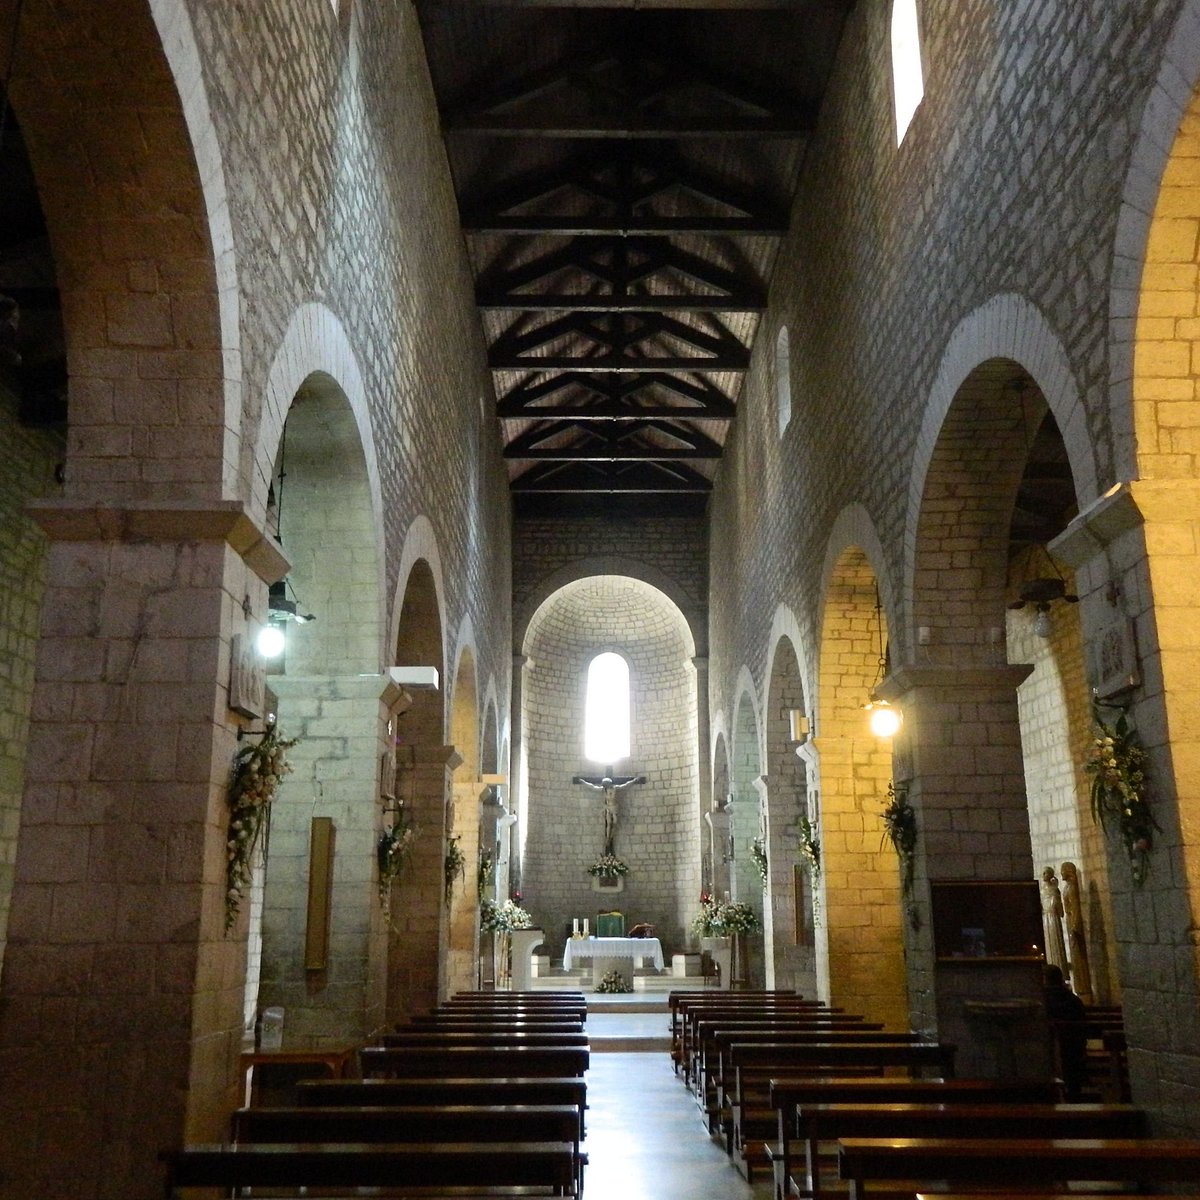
(487, 124)
(635, 226)
(609, 477)
(599, 303)
(733, 361)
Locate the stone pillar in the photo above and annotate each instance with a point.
(518, 793)
(121, 1011)
(417, 916)
(341, 724)
(717, 822)
(463, 950)
(960, 750)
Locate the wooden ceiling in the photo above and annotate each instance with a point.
(624, 172)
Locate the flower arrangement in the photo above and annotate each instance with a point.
(758, 852)
(392, 851)
(608, 866)
(1116, 763)
(257, 770)
(455, 864)
(613, 982)
(503, 918)
(738, 918)
(719, 918)
(900, 828)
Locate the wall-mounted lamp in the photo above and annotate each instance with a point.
(883, 717)
(281, 609)
(1041, 593)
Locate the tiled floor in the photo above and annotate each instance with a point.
(646, 1140)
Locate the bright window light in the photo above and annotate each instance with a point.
(606, 709)
(908, 77)
(783, 379)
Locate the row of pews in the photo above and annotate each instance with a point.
(836, 1106)
(483, 1097)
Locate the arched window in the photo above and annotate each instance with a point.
(783, 379)
(908, 76)
(606, 709)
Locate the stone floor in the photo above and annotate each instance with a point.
(646, 1139)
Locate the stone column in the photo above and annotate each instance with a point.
(121, 1012)
(717, 822)
(463, 949)
(418, 917)
(518, 793)
(341, 724)
(960, 751)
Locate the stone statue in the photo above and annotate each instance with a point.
(1052, 920)
(1072, 901)
(609, 785)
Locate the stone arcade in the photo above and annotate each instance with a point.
(276, 280)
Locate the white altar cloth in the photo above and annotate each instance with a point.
(580, 949)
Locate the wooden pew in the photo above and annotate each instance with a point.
(535, 1021)
(382, 1062)
(970, 1163)
(823, 1123)
(499, 1036)
(708, 1035)
(414, 1123)
(787, 1093)
(747, 1069)
(447, 1091)
(544, 1168)
(678, 1000)
(687, 1003)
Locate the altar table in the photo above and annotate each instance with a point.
(612, 954)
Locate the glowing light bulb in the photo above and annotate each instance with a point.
(1041, 624)
(270, 641)
(883, 719)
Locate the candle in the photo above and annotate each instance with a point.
(575, 930)
(585, 928)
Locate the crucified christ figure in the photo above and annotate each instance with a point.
(609, 785)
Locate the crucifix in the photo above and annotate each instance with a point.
(609, 784)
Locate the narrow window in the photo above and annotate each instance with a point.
(908, 77)
(606, 709)
(783, 379)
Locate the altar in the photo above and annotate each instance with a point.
(612, 954)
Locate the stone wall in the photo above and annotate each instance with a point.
(26, 471)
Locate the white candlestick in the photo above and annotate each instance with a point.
(585, 928)
(575, 930)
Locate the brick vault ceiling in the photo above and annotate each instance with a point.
(624, 172)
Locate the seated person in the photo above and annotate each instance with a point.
(1063, 1005)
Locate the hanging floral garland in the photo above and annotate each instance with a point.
(1116, 764)
(257, 770)
(392, 851)
(758, 852)
(900, 828)
(455, 865)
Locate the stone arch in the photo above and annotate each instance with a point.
(715, 835)
(125, 232)
(861, 927)
(1007, 327)
(315, 342)
(618, 565)
(748, 815)
(657, 833)
(489, 747)
(786, 629)
(415, 941)
(789, 931)
(329, 693)
(1171, 97)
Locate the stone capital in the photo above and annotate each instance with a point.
(909, 679)
(1119, 510)
(154, 521)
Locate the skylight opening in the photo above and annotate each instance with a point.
(783, 379)
(606, 709)
(908, 75)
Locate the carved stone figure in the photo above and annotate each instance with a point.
(1052, 920)
(1072, 901)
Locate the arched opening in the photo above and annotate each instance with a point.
(793, 823)
(747, 822)
(414, 901)
(652, 826)
(328, 686)
(908, 71)
(862, 921)
(717, 864)
(783, 379)
(606, 709)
